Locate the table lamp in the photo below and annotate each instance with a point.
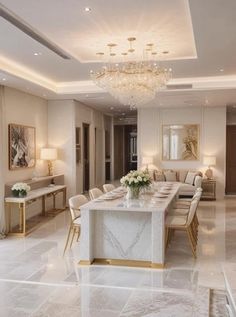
(49, 155)
(147, 160)
(209, 161)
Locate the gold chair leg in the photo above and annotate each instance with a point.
(73, 235)
(191, 243)
(78, 234)
(67, 240)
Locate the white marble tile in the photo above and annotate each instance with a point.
(122, 277)
(25, 297)
(105, 290)
(154, 303)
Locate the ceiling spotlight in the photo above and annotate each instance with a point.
(37, 53)
(222, 69)
(87, 9)
(4, 79)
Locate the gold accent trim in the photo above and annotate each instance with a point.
(85, 262)
(132, 263)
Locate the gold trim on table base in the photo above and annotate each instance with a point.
(85, 262)
(118, 262)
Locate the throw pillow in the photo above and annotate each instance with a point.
(182, 175)
(170, 176)
(159, 176)
(190, 178)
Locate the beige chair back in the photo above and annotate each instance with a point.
(95, 193)
(75, 203)
(108, 188)
(193, 209)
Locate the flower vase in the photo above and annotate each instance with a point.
(22, 193)
(133, 193)
(19, 193)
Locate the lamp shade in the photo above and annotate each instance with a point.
(209, 160)
(147, 160)
(48, 154)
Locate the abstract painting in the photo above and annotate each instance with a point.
(180, 142)
(22, 146)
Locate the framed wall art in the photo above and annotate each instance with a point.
(180, 142)
(22, 146)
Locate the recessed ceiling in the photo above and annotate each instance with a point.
(187, 29)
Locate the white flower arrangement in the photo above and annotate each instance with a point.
(20, 188)
(136, 179)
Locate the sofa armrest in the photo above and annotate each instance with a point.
(198, 181)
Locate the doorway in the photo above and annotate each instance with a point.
(231, 159)
(86, 173)
(125, 149)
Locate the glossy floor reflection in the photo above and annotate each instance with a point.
(35, 280)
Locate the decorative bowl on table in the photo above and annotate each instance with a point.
(20, 190)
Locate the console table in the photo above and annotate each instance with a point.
(25, 225)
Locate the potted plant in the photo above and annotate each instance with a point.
(135, 181)
(20, 189)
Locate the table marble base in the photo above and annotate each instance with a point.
(122, 238)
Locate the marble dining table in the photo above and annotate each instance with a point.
(120, 231)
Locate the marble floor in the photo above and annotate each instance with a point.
(36, 280)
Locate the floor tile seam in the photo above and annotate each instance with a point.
(38, 283)
(144, 289)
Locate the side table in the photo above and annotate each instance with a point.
(208, 189)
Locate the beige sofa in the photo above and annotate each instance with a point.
(190, 180)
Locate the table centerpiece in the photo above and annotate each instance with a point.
(134, 181)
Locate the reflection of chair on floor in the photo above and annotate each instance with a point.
(75, 203)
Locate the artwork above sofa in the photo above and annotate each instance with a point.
(190, 180)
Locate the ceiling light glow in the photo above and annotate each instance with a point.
(87, 9)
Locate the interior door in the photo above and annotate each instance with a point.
(231, 159)
(85, 157)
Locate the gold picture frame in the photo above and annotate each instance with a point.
(181, 142)
(22, 146)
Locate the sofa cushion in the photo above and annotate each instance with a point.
(186, 189)
(182, 175)
(170, 176)
(159, 176)
(190, 178)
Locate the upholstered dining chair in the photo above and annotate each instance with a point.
(187, 201)
(75, 203)
(185, 223)
(108, 188)
(95, 193)
(184, 204)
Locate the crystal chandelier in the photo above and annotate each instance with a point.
(133, 83)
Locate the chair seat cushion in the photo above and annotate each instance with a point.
(77, 221)
(180, 211)
(176, 220)
(183, 205)
(184, 200)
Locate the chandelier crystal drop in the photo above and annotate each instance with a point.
(133, 83)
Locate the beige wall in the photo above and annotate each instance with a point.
(95, 119)
(212, 123)
(25, 109)
(21, 108)
(63, 117)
